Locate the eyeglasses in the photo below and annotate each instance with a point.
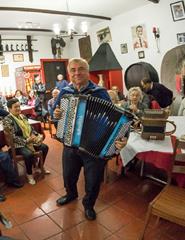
(80, 69)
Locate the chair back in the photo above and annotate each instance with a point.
(178, 162)
(19, 157)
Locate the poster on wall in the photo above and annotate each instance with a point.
(85, 48)
(104, 35)
(5, 70)
(139, 36)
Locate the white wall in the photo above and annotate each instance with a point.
(43, 45)
(152, 15)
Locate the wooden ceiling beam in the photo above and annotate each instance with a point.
(46, 11)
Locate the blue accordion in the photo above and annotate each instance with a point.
(92, 124)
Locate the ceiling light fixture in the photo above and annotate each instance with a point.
(28, 25)
(71, 32)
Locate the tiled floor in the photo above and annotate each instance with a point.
(120, 208)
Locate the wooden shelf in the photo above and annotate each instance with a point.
(19, 51)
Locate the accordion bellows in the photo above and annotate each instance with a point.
(92, 124)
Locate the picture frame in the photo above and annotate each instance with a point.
(18, 57)
(141, 54)
(104, 35)
(181, 38)
(124, 48)
(178, 10)
(139, 36)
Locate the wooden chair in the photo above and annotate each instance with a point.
(17, 158)
(170, 202)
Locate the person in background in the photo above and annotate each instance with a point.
(22, 99)
(134, 103)
(73, 158)
(113, 96)
(25, 138)
(158, 91)
(3, 113)
(51, 104)
(39, 88)
(61, 82)
(120, 94)
(3, 102)
(7, 166)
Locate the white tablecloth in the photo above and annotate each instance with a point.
(136, 144)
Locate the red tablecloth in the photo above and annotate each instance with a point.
(28, 110)
(162, 160)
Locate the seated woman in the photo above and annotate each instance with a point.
(19, 95)
(24, 136)
(31, 102)
(134, 103)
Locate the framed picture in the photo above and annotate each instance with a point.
(124, 48)
(178, 10)
(181, 38)
(18, 57)
(139, 37)
(104, 35)
(141, 54)
(5, 70)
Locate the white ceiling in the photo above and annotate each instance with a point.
(107, 8)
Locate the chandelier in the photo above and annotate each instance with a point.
(71, 32)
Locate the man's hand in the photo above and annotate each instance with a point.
(57, 113)
(119, 144)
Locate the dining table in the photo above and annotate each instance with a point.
(157, 152)
(27, 110)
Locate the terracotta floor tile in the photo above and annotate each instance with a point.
(148, 189)
(55, 183)
(113, 218)
(25, 212)
(40, 228)
(132, 205)
(113, 237)
(84, 231)
(121, 208)
(67, 217)
(15, 233)
(47, 202)
(131, 231)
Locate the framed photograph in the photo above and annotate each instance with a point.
(5, 70)
(18, 57)
(178, 10)
(139, 37)
(141, 54)
(181, 38)
(104, 35)
(124, 48)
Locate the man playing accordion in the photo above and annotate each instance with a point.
(73, 158)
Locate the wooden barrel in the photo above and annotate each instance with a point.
(137, 71)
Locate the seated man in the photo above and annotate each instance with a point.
(11, 175)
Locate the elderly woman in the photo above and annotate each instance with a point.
(26, 139)
(134, 103)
